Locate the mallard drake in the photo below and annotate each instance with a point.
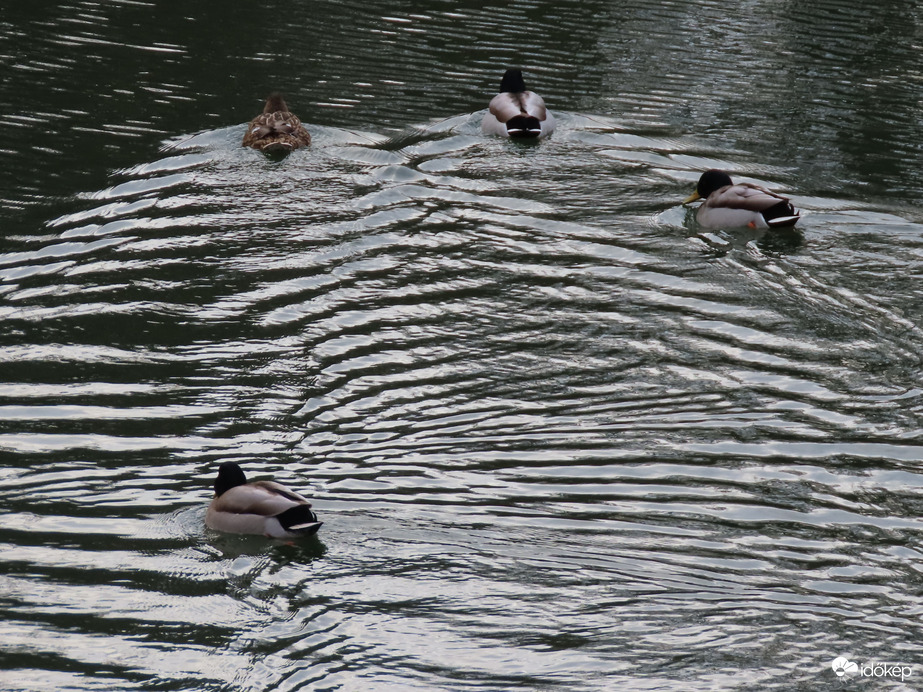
(276, 130)
(517, 112)
(259, 507)
(730, 205)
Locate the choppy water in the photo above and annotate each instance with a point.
(561, 438)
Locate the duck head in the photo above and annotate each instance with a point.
(275, 103)
(710, 181)
(230, 475)
(512, 82)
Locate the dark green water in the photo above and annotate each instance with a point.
(561, 438)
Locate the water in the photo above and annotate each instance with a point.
(561, 438)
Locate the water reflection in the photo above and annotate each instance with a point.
(562, 438)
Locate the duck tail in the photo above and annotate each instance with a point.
(783, 221)
(276, 147)
(308, 529)
(781, 215)
(523, 126)
(299, 519)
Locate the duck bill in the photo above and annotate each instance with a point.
(692, 198)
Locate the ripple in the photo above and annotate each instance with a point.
(560, 437)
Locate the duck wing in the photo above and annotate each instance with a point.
(262, 497)
(280, 128)
(282, 123)
(747, 204)
(775, 209)
(744, 196)
(281, 490)
(534, 105)
(509, 105)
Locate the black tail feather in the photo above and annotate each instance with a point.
(296, 517)
(524, 126)
(781, 215)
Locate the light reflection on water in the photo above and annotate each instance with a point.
(560, 438)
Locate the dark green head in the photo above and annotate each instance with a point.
(709, 182)
(512, 82)
(230, 475)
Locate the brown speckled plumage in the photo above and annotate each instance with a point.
(276, 129)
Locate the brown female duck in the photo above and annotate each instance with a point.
(276, 130)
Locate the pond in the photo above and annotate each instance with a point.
(561, 437)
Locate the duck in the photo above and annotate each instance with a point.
(276, 130)
(258, 507)
(517, 112)
(736, 205)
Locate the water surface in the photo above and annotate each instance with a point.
(561, 438)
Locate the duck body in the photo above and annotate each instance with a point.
(276, 130)
(259, 507)
(517, 112)
(737, 205)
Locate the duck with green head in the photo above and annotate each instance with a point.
(517, 112)
(259, 507)
(737, 205)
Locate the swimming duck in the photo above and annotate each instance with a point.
(276, 130)
(517, 112)
(730, 205)
(259, 507)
